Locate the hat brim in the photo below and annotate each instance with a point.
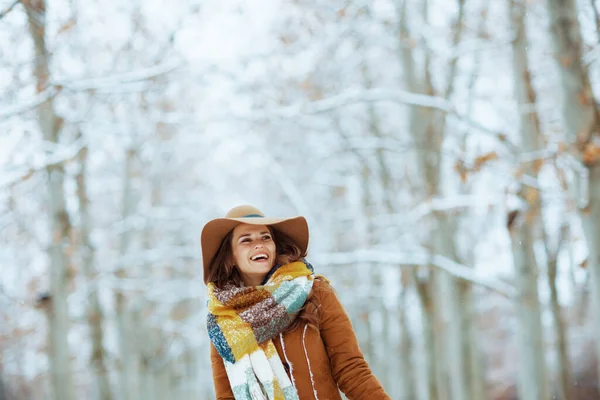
(215, 231)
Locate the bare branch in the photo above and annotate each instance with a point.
(355, 96)
(352, 97)
(120, 79)
(29, 104)
(91, 84)
(8, 178)
(414, 259)
(9, 9)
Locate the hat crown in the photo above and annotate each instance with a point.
(244, 211)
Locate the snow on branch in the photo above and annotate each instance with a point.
(29, 104)
(104, 83)
(155, 255)
(120, 79)
(357, 96)
(450, 203)
(10, 177)
(9, 8)
(408, 260)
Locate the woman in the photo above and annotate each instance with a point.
(277, 331)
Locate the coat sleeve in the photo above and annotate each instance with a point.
(348, 365)
(220, 379)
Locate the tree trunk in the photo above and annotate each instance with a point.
(95, 315)
(471, 344)
(429, 348)
(533, 376)
(406, 369)
(440, 294)
(591, 226)
(385, 204)
(455, 309)
(444, 376)
(533, 384)
(565, 383)
(418, 124)
(463, 354)
(60, 225)
(580, 114)
(128, 343)
(428, 128)
(472, 349)
(3, 394)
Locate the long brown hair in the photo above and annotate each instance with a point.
(222, 270)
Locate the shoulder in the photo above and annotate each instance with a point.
(330, 308)
(322, 288)
(322, 284)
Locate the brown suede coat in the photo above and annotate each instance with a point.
(318, 362)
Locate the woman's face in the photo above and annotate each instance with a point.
(253, 252)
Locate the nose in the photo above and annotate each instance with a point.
(257, 245)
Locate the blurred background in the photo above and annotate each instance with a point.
(445, 153)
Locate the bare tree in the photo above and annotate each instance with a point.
(51, 125)
(409, 378)
(565, 382)
(95, 315)
(129, 384)
(525, 228)
(418, 125)
(446, 297)
(581, 118)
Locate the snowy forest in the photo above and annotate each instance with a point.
(446, 154)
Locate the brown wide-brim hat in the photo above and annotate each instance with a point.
(215, 230)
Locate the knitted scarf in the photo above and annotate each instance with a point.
(242, 321)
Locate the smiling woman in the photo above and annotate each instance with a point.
(253, 252)
(263, 298)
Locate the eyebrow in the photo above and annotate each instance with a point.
(247, 234)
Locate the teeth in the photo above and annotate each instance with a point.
(259, 256)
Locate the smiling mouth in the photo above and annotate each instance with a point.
(259, 257)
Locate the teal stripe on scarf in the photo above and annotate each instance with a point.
(291, 296)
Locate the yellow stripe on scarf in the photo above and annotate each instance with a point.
(239, 335)
(289, 271)
(237, 332)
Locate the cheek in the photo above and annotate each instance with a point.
(237, 255)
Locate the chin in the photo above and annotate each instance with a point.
(267, 268)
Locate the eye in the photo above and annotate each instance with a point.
(267, 237)
(245, 240)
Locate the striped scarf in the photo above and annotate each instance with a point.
(242, 321)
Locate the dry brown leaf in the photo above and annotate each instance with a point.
(591, 154)
(71, 22)
(531, 196)
(562, 147)
(484, 159)
(537, 166)
(459, 167)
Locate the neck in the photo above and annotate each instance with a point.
(252, 280)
